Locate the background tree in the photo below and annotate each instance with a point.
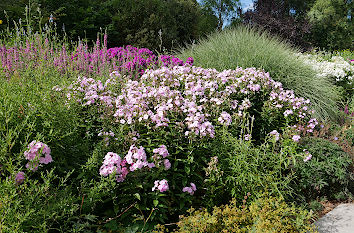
(326, 24)
(284, 18)
(332, 24)
(145, 23)
(225, 10)
(156, 24)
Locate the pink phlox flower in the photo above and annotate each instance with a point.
(162, 150)
(123, 175)
(194, 187)
(275, 134)
(225, 118)
(34, 152)
(47, 159)
(136, 157)
(191, 189)
(167, 164)
(288, 112)
(20, 177)
(113, 164)
(296, 138)
(32, 165)
(161, 185)
(308, 157)
(248, 137)
(188, 189)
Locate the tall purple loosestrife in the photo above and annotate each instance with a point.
(98, 61)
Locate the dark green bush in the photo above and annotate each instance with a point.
(238, 167)
(327, 173)
(38, 205)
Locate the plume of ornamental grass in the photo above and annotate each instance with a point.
(246, 47)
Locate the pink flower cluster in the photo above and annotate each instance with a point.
(225, 118)
(20, 177)
(190, 98)
(162, 151)
(161, 185)
(132, 59)
(308, 156)
(136, 157)
(275, 134)
(34, 155)
(296, 138)
(309, 127)
(200, 96)
(134, 160)
(113, 164)
(88, 91)
(191, 189)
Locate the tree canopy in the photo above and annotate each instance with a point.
(158, 24)
(147, 23)
(225, 10)
(326, 24)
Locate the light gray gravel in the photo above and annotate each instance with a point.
(339, 220)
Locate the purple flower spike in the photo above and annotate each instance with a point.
(20, 177)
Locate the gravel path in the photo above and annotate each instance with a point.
(339, 220)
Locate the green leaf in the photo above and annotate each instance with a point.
(137, 195)
(156, 202)
(181, 204)
(187, 169)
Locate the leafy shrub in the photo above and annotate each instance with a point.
(30, 111)
(349, 135)
(156, 132)
(327, 173)
(331, 28)
(244, 47)
(37, 205)
(266, 214)
(240, 167)
(351, 104)
(347, 54)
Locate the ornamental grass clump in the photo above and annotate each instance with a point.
(244, 47)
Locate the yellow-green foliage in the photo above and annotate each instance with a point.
(266, 214)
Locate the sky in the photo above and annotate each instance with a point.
(246, 4)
